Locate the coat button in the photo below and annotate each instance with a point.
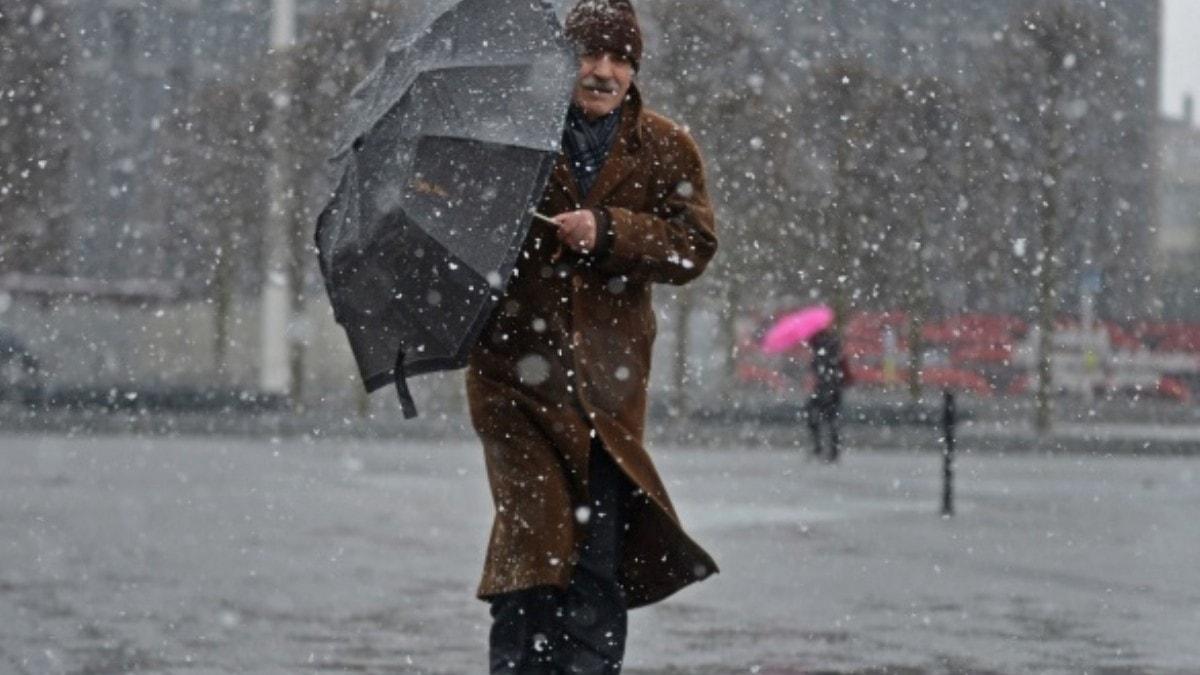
(576, 339)
(577, 282)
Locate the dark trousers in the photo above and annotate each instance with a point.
(823, 415)
(545, 630)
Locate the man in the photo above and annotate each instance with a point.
(584, 529)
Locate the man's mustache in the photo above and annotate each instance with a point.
(593, 82)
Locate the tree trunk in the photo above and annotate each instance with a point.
(1048, 265)
(223, 302)
(1046, 312)
(843, 217)
(916, 348)
(729, 333)
(917, 310)
(685, 301)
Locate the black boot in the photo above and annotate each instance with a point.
(525, 632)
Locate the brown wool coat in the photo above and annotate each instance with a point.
(567, 354)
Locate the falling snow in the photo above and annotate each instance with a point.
(996, 202)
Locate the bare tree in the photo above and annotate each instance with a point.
(928, 131)
(216, 165)
(1054, 63)
(707, 72)
(36, 129)
(841, 123)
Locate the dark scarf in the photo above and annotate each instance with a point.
(587, 144)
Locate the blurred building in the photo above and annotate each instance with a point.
(1177, 245)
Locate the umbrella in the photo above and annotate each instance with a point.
(446, 147)
(797, 327)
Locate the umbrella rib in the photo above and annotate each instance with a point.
(461, 65)
(361, 91)
(498, 144)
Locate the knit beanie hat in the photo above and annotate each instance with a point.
(606, 26)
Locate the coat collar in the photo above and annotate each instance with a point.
(621, 159)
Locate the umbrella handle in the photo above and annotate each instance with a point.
(544, 218)
(547, 219)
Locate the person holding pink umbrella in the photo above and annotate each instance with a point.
(814, 325)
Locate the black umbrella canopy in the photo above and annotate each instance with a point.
(446, 148)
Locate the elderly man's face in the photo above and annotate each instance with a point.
(602, 84)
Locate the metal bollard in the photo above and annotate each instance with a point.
(949, 421)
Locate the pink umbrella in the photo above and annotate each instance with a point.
(797, 327)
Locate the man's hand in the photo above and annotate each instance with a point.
(577, 229)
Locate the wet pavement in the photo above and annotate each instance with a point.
(193, 555)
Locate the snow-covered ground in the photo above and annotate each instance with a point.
(225, 556)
